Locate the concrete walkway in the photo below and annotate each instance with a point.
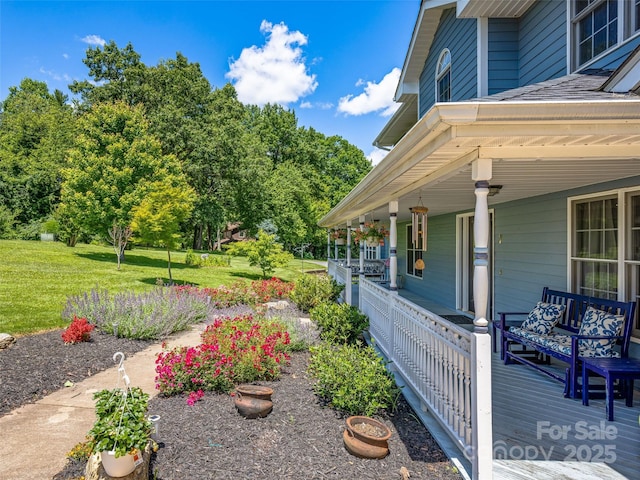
(37, 437)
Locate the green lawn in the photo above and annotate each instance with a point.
(37, 277)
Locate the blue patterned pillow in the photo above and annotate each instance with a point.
(543, 318)
(598, 322)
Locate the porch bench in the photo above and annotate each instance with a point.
(567, 326)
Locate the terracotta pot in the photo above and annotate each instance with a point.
(253, 401)
(117, 467)
(360, 442)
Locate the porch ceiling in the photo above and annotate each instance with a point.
(537, 148)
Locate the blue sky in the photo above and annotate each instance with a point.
(336, 63)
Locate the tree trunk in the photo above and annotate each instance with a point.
(218, 235)
(209, 238)
(169, 265)
(197, 237)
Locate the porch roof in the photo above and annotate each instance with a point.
(552, 136)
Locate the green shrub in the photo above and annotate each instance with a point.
(352, 379)
(312, 290)
(206, 260)
(339, 323)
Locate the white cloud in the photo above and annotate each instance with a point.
(376, 155)
(319, 105)
(275, 72)
(377, 97)
(94, 40)
(55, 76)
(65, 56)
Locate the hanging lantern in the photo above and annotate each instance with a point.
(419, 264)
(419, 226)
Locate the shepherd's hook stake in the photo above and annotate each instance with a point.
(120, 363)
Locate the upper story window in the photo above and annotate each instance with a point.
(443, 77)
(598, 25)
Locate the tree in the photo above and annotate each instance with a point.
(264, 253)
(112, 167)
(158, 217)
(36, 130)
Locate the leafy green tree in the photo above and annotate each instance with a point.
(264, 253)
(157, 218)
(36, 130)
(112, 168)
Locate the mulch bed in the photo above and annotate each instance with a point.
(300, 438)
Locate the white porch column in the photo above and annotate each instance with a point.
(335, 250)
(349, 244)
(328, 244)
(361, 246)
(481, 346)
(393, 243)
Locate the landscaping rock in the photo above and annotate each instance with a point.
(6, 340)
(95, 471)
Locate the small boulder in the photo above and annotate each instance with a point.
(6, 340)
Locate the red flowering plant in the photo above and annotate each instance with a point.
(78, 331)
(259, 291)
(233, 350)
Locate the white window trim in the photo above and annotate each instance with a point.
(440, 73)
(424, 253)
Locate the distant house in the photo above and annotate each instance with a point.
(519, 130)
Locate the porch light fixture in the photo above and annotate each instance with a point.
(419, 265)
(419, 226)
(494, 190)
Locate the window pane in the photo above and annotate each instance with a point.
(582, 244)
(635, 245)
(611, 245)
(586, 29)
(600, 17)
(611, 213)
(595, 215)
(582, 219)
(595, 245)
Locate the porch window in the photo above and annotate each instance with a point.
(413, 254)
(443, 77)
(605, 247)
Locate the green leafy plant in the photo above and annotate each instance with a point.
(352, 379)
(121, 421)
(339, 322)
(264, 253)
(312, 290)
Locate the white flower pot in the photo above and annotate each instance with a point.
(117, 467)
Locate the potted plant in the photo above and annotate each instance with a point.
(339, 236)
(373, 233)
(122, 430)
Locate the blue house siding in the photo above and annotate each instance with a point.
(543, 42)
(503, 60)
(459, 36)
(438, 281)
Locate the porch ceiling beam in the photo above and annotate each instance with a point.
(561, 152)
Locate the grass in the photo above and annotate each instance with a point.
(37, 277)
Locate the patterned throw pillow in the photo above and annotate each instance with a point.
(604, 324)
(543, 318)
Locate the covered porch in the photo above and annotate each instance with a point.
(537, 432)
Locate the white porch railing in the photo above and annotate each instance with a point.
(342, 275)
(432, 355)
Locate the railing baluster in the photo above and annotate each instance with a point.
(432, 355)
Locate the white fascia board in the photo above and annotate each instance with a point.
(420, 43)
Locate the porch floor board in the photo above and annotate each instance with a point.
(533, 421)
